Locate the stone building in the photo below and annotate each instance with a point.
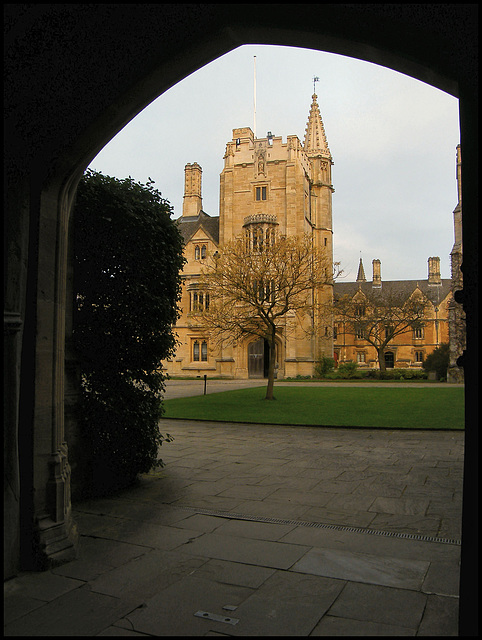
(408, 349)
(267, 185)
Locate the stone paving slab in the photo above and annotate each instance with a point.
(440, 617)
(332, 626)
(383, 605)
(256, 530)
(287, 604)
(246, 550)
(236, 573)
(80, 612)
(363, 567)
(171, 611)
(146, 576)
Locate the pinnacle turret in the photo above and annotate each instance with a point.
(315, 143)
(361, 273)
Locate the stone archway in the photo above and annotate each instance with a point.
(68, 92)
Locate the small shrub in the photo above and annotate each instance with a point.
(348, 370)
(394, 374)
(370, 374)
(324, 366)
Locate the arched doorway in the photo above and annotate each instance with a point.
(389, 359)
(258, 358)
(258, 352)
(50, 142)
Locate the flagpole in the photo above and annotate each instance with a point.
(254, 104)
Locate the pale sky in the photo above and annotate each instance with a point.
(392, 138)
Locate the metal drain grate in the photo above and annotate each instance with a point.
(320, 525)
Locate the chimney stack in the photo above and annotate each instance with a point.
(434, 271)
(192, 203)
(377, 274)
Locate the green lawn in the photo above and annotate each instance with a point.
(410, 408)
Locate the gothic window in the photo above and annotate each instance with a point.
(307, 206)
(200, 252)
(195, 351)
(194, 303)
(200, 351)
(264, 292)
(419, 356)
(260, 231)
(199, 302)
(269, 291)
(418, 332)
(257, 239)
(361, 357)
(261, 193)
(270, 236)
(258, 290)
(360, 332)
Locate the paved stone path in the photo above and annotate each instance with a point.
(259, 530)
(178, 388)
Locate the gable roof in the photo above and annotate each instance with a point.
(188, 225)
(435, 293)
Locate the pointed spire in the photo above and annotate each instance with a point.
(315, 143)
(361, 273)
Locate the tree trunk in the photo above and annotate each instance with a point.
(381, 359)
(272, 361)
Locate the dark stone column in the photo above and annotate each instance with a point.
(12, 326)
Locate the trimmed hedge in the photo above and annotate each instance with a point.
(128, 259)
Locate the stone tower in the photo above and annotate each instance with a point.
(321, 188)
(286, 186)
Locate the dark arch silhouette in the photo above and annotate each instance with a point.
(74, 76)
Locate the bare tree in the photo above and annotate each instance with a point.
(253, 285)
(379, 316)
